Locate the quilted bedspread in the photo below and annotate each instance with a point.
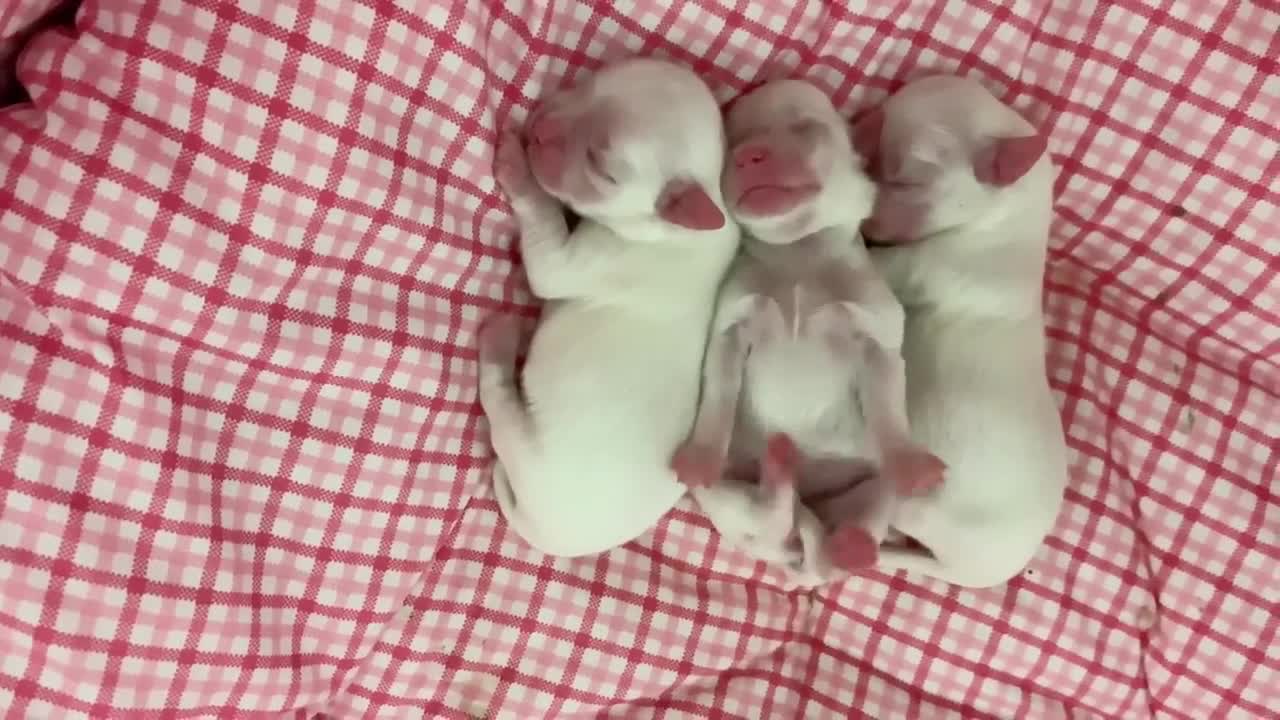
(244, 250)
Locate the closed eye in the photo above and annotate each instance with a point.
(806, 127)
(595, 159)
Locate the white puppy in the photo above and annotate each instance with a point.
(611, 382)
(964, 204)
(807, 334)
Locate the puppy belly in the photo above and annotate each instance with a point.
(802, 390)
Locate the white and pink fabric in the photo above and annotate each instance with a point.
(244, 250)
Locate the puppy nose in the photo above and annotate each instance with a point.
(873, 232)
(748, 155)
(546, 130)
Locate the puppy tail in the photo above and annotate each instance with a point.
(920, 561)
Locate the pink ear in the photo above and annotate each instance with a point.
(866, 136)
(1005, 160)
(687, 204)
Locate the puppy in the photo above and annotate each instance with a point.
(964, 204)
(611, 380)
(806, 336)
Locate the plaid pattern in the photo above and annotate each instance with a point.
(18, 20)
(244, 248)
(18, 16)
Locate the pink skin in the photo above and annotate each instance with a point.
(697, 464)
(511, 168)
(769, 172)
(569, 142)
(903, 203)
(701, 465)
(776, 170)
(779, 465)
(779, 468)
(852, 548)
(896, 216)
(914, 471)
(500, 338)
(564, 147)
(894, 220)
(851, 545)
(866, 139)
(1004, 161)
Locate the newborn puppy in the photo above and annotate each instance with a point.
(806, 335)
(611, 381)
(964, 204)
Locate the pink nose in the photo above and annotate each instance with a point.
(748, 155)
(546, 130)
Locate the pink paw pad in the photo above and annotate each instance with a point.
(500, 340)
(916, 472)
(852, 548)
(696, 465)
(511, 167)
(778, 467)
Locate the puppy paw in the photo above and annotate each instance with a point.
(915, 471)
(778, 466)
(852, 548)
(499, 341)
(697, 464)
(511, 168)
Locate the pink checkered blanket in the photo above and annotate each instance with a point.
(244, 250)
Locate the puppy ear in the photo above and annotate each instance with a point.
(687, 204)
(1004, 161)
(865, 136)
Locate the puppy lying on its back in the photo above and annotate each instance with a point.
(804, 347)
(964, 204)
(611, 382)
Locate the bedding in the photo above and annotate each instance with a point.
(19, 19)
(244, 251)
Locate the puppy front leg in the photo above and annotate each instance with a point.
(700, 460)
(905, 468)
(866, 511)
(912, 469)
(873, 334)
(545, 245)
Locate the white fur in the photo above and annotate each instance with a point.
(802, 279)
(977, 391)
(612, 375)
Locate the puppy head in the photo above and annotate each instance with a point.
(790, 168)
(944, 153)
(639, 141)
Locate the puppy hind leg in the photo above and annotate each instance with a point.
(854, 542)
(790, 523)
(778, 499)
(852, 547)
(758, 515)
(510, 427)
(912, 469)
(777, 488)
